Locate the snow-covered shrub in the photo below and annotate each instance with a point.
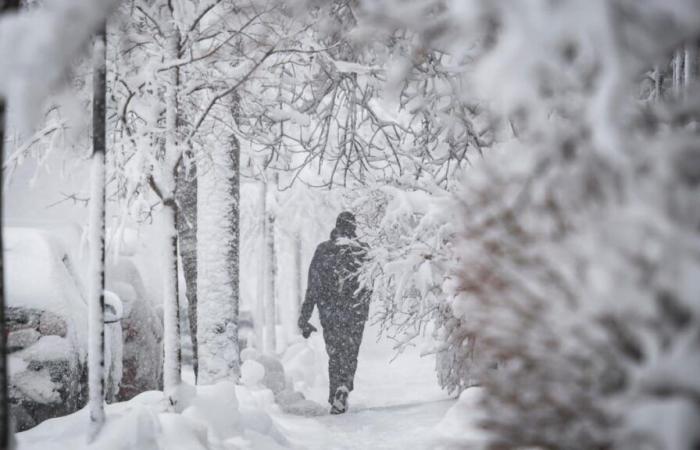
(252, 373)
(579, 249)
(264, 374)
(142, 330)
(459, 428)
(408, 227)
(45, 319)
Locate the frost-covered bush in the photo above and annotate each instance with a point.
(47, 343)
(408, 227)
(579, 246)
(142, 331)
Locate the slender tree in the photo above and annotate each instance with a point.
(262, 274)
(690, 64)
(6, 439)
(677, 70)
(298, 278)
(172, 360)
(270, 271)
(96, 305)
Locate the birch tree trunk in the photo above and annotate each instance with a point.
(171, 311)
(218, 236)
(677, 72)
(96, 226)
(6, 439)
(186, 194)
(690, 64)
(658, 82)
(262, 261)
(298, 280)
(271, 276)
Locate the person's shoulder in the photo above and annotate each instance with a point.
(325, 244)
(324, 247)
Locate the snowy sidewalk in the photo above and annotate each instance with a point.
(395, 404)
(394, 427)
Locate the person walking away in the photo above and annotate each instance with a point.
(343, 306)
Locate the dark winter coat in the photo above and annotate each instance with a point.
(334, 287)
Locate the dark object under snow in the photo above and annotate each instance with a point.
(343, 306)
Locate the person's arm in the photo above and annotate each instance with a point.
(312, 289)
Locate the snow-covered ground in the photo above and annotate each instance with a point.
(395, 405)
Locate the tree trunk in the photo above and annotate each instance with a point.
(677, 72)
(96, 301)
(271, 276)
(172, 360)
(690, 64)
(186, 194)
(298, 282)
(260, 292)
(5, 431)
(658, 82)
(218, 237)
(6, 439)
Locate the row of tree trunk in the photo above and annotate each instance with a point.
(200, 223)
(6, 440)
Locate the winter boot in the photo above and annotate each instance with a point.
(340, 401)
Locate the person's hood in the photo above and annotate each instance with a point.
(345, 226)
(339, 233)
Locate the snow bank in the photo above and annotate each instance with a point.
(213, 419)
(252, 373)
(270, 385)
(304, 364)
(458, 429)
(39, 274)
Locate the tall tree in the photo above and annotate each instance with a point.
(262, 271)
(298, 278)
(172, 361)
(186, 195)
(270, 266)
(677, 71)
(218, 236)
(6, 439)
(96, 300)
(690, 63)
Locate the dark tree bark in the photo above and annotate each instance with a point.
(186, 194)
(5, 431)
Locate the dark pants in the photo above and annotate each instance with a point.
(342, 346)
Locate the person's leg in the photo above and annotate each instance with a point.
(353, 357)
(334, 363)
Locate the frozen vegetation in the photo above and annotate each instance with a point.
(519, 185)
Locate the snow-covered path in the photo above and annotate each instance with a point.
(395, 404)
(393, 427)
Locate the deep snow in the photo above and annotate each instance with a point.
(395, 405)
